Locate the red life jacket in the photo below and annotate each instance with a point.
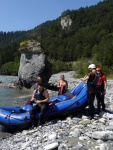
(99, 83)
(101, 79)
(62, 90)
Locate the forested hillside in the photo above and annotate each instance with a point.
(88, 39)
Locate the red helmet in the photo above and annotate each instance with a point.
(99, 69)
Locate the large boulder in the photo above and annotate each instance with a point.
(33, 63)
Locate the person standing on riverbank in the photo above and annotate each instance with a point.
(41, 98)
(101, 89)
(92, 80)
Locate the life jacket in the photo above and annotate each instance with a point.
(39, 96)
(94, 80)
(99, 83)
(62, 90)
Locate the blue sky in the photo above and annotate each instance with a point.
(19, 15)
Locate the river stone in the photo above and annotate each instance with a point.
(76, 133)
(84, 117)
(111, 107)
(110, 116)
(109, 128)
(78, 146)
(85, 122)
(63, 146)
(104, 146)
(110, 123)
(81, 138)
(52, 136)
(99, 141)
(103, 120)
(51, 146)
(103, 135)
(97, 147)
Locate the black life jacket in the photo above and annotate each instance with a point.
(39, 96)
(94, 80)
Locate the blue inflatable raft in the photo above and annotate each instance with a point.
(19, 117)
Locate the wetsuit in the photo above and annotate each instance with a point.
(91, 84)
(39, 108)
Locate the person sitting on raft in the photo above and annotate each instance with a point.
(62, 85)
(41, 98)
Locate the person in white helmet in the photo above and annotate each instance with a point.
(92, 80)
(91, 66)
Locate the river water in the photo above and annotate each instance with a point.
(9, 95)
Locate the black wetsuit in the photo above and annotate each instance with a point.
(42, 108)
(92, 89)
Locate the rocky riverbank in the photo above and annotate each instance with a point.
(74, 132)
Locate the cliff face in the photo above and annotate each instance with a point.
(33, 62)
(66, 22)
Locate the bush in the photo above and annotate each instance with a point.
(10, 68)
(59, 66)
(24, 44)
(81, 68)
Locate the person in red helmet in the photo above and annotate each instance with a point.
(101, 89)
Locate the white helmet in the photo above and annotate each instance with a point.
(92, 66)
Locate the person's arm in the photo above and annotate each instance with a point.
(85, 79)
(58, 85)
(46, 94)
